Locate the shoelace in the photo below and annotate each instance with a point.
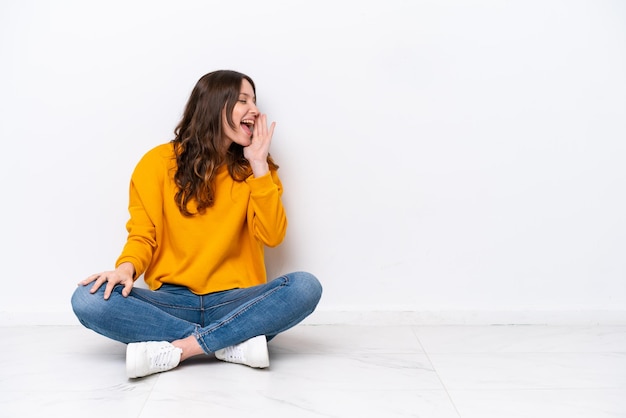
(161, 359)
(234, 352)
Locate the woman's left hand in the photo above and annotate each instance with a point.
(256, 153)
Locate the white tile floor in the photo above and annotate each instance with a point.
(330, 371)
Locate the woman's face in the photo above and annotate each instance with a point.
(244, 116)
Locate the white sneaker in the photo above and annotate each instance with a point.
(252, 353)
(151, 357)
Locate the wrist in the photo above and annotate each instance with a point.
(127, 269)
(259, 168)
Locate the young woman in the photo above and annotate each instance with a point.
(202, 209)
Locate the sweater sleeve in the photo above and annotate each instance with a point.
(266, 214)
(146, 209)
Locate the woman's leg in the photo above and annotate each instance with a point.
(216, 320)
(168, 314)
(237, 315)
(194, 324)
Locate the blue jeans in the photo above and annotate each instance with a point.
(216, 320)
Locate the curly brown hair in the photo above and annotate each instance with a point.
(199, 144)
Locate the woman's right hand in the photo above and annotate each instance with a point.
(123, 275)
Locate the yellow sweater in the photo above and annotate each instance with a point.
(221, 249)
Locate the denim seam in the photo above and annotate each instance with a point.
(201, 311)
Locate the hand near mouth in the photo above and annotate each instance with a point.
(256, 153)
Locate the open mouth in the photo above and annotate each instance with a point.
(247, 125)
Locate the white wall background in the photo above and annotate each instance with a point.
(457, 160)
